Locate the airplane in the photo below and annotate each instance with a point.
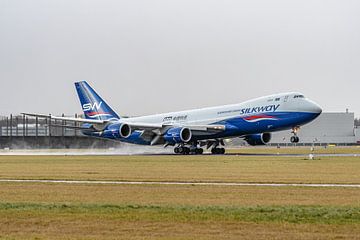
(189, 131)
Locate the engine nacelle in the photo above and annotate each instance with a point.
(119, 130)
(178, 135)
(258, 139)
(124, 130)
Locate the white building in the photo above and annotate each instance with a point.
(335, 128)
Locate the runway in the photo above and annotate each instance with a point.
(234, 184)
(157, 152)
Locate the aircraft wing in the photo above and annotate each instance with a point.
(215, 127)
(70, 119)
(161, 127)
(154, 132)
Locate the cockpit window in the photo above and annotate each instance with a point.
(299, 96)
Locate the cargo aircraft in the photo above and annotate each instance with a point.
(190, 131)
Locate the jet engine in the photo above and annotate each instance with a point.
(178, 135)
(124, 130)
(119, 130)
(258, 139)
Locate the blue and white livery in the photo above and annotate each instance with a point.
(189, 131)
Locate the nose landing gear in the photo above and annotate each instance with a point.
(295, 138)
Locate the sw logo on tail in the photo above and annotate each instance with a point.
(91, 107)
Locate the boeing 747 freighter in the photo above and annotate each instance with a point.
(190, 131)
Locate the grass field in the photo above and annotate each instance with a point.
(161, 222)
(89, 211)
(296, 150)
(179, 168)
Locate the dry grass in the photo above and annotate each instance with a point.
(95, 227)
(136, 222)
(177, 195)
(179, 168)
(59, 211)
(295, 150)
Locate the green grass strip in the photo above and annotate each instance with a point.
(290, 214)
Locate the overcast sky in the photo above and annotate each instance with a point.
(152, 56)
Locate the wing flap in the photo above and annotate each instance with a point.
(144, 126)
(159, 128)
(205, 128)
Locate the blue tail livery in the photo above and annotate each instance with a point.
(93, 105)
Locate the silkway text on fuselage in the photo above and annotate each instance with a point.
(268, 108)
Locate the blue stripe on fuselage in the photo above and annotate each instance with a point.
(284, 120)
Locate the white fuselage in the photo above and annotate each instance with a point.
(284, 102)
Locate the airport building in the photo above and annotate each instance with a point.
(328, 128)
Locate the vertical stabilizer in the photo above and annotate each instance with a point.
(93, 105)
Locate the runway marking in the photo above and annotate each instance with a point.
(181, 183)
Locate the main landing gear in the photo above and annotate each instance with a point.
(215, 146)
(196, 148)
(186, 150)
(217, 150)
(295, 138)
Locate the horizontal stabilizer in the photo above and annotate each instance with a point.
(70, 119)
(71, 127)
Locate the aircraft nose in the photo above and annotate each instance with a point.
(314, 107)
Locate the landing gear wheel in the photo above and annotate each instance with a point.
(222, 150)
(218, 150)
(186, 150)
(294, 139)
(213, 150)
(199, 151)
(176, 150)
(183, 150)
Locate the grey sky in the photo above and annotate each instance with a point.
(148, 57)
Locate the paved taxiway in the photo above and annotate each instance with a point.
(116, 153)
(180, 183)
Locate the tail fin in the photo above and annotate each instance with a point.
(93, 106)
